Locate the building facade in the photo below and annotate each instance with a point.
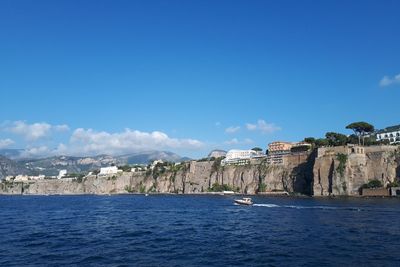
(108, 170)
(239, 157)
(278, 149)
(392, 134)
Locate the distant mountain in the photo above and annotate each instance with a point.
(150, 156)
(12, 153)
(52, 165)
(10, 167)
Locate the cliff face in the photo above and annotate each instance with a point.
(193, 177)
(357, 166)
(327, 171)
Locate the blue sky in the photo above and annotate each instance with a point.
(87, 77)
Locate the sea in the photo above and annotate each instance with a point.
(201, 230)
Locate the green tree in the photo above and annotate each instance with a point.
(361, 129)
(125, 168)
(321, 142)
(336, 139)
(309, 140)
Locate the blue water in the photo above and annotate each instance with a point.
(197, 231)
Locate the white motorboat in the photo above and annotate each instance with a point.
(244, 201)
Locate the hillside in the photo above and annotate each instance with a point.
(52, 165)
(10, 167)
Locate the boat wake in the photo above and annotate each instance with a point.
(307, 207)
(267, 205)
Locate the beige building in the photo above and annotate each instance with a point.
(278, 149)
(279, 146)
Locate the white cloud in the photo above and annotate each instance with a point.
(6, 143)
(251, 127)
(232, 129)
(40, 151)
(90, 142)
(386, 80)
(233, 141)
(35, 131)
(263, 126)
(61, 128)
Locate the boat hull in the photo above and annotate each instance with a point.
(242, 202)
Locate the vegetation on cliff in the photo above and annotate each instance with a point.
(216, 187)
(342, 158)
(361, 130)
(372, 184)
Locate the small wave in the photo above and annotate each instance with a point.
(307, 207)
(267, 205)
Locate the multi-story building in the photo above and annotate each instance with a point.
(239, 157)
(108, 170)
(277, 150)
(392, 134)
(279, 147)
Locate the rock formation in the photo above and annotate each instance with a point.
(324, 172)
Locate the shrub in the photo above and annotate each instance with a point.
(125, 168)
(342, 158)
(216, 187)
(142, 188)
(393, 184)
(372, 184)
(262, 187)
(129, 189)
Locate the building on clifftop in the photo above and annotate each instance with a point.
(391, 133)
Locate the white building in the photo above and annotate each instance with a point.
(108, 170)
(38, 177)
(392, 134)
(61, 174)
(21, 178)
(239, 157)
(9, 178)
(153, 165)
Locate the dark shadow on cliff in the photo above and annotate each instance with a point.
(303, 175)
(397, 160)
(330, 176)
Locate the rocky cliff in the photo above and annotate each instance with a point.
(190, 177)
(343, 170)
(325, 172)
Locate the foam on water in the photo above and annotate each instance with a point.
(268, 205)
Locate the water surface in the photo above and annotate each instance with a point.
(135, 230)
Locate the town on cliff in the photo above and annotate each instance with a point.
(366, 163)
